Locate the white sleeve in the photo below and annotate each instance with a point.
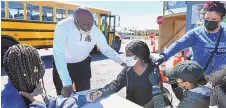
(105, 48)
(60, 39)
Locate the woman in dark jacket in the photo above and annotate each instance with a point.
(134, 77)
(218, 81)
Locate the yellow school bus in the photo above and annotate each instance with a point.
(33, 22)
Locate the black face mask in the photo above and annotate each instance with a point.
(211, 25)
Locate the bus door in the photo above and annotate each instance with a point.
(107, 26)
(104, 26)
(112, 30)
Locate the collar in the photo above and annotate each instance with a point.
(200, 92)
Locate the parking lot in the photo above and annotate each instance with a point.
(103, 69)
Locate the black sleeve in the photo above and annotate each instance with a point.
(213, 98)
(116, 84)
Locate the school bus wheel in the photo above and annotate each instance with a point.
(6, 43)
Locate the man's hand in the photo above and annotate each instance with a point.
(36, 95)
(93, 95)
(157, 60)
(155, 77)
(67, 91)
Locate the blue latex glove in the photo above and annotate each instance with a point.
(155, 77)
(158, 60)
(81, 100)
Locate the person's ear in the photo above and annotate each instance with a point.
(188, 84)
(219, 23)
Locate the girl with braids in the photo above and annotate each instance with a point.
(24, 69)
(134, 77)
(218, 81)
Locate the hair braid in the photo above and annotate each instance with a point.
(24, 67)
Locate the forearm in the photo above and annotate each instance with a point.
(173, 49)
(59, 44)
(113, 87)
(62, 70)
(116, 84)
(186, 41)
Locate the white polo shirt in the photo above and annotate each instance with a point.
(68, 48)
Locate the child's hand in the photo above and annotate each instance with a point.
(36, 95)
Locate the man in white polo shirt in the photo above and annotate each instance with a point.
(74, 39)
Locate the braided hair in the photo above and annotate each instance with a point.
(24, 67)
(217, 7)
(140, 49)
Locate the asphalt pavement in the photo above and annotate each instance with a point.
(103, 69)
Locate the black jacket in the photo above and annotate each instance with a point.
(218, 97)
(125, 79)
(196, 98)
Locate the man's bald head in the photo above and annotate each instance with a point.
(84, 18)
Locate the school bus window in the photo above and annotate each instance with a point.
(95, 16)
(60, 14)
(47, 13)
(16, 10)
(2, 9)
(104, 24)
(33, 12)
(70, 13)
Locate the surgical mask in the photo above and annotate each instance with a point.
(130, 61)
(86, 33)
(211, 25)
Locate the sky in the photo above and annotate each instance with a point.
(137, 14)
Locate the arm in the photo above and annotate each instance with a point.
(105, 48)
(186, 41)
(36, 104)
(213, 98)
(60, 39)
(55, 102)
(115, 85)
